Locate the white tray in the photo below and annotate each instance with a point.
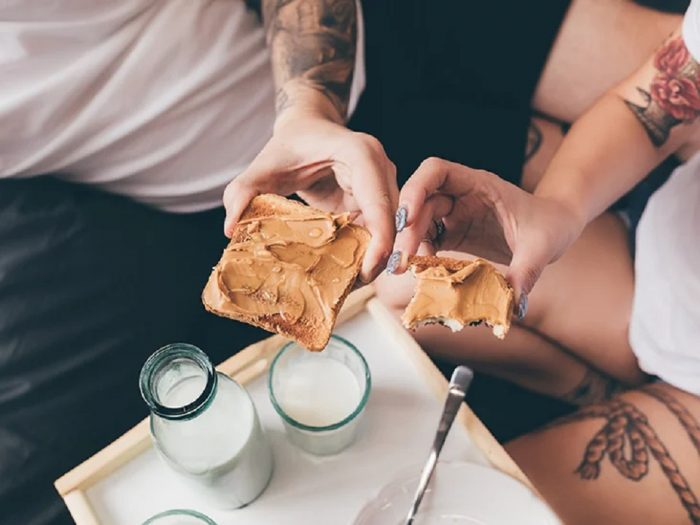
(127, 483)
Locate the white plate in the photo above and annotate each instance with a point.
(459, 494)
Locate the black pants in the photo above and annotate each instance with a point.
(90, 285)
(454, 79)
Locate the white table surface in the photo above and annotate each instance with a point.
(397, 431)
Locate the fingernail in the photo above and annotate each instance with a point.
(393, 262)
(400, 219)
(522, 307)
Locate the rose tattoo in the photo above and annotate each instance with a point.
(673, 96)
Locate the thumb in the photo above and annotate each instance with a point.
(526, 266)
(237, 196)
(257, 178)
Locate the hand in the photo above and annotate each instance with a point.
(331, 168)
(485, 216)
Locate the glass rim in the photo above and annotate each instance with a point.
(152, 364)
(180, 512)
(347, 419)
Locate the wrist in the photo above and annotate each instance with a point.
(570, 215)
(297, 99)
(566, 196)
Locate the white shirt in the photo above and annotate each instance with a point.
(691, 29)
(664, 328)
(665, 325)
(164, 101)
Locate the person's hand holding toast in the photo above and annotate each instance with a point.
(331, 168)
(311, 152)
(474, 211)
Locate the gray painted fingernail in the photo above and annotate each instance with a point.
(522, 306)
(401, 215)
(393, 262)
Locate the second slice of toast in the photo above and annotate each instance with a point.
(456, 293)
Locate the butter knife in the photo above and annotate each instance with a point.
(459, 383)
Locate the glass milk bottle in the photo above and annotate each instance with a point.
(204, 425)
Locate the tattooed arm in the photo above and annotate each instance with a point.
(627, 133)
(608, 150)
(312, 46)
(612, 147)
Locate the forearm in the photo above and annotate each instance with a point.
(625, 134)
(312, 45)
(599, 161)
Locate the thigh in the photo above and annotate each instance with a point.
(634, 459)
(583, 301)
(599, 44)
(90, 285)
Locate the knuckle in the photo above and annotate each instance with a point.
(391, 170)
(230, 189)
(370, 143)
(432, 164)
(385, 198)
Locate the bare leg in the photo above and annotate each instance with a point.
(524, 358)
(544, 138)
(634, 459)
(584, 300)
(599, 44)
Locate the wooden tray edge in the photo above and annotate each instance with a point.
(244, 367)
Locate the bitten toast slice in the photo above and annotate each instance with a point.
(455, 293)
(288, 269)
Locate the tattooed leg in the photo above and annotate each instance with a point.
(689, 423)
(567, 460)
(534, 140)
(593, 388)
(543, 139)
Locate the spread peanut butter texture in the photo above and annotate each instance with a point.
(294, 267)
(460, 293)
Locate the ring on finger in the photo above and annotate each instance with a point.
(435, 233)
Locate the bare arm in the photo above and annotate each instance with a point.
(312, 44)
(629, 131)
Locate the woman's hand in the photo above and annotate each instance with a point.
(485, 216)
(331, 168)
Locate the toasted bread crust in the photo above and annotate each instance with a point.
(312, 334)
(418, 263)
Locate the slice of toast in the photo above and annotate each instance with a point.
(455, 293)
(287, 269)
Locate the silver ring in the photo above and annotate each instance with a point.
(439, 229)
(434, 234)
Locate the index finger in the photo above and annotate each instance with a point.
(434, 175)
(377, 196)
